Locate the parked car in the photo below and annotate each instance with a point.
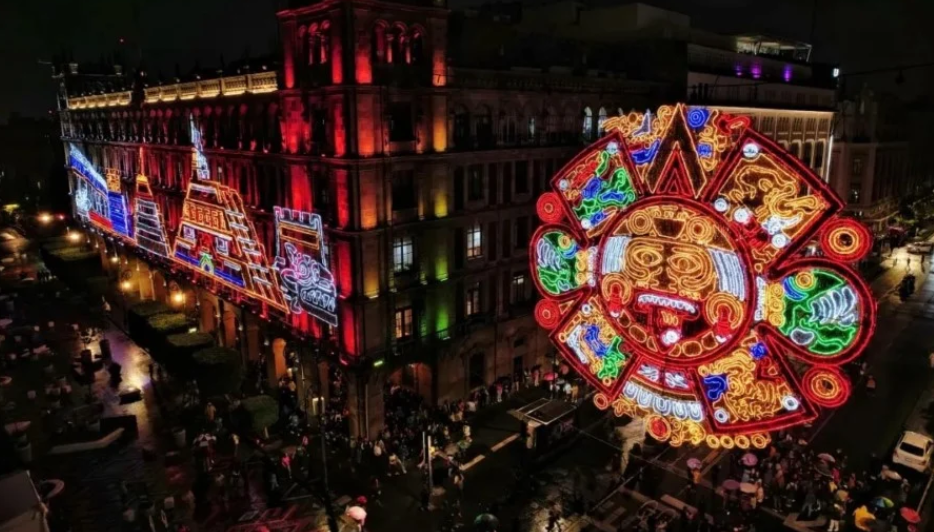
(914, 451)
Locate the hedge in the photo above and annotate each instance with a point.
(72, 254)
(218, 371)
(97, 285)
(262, 412)
(189, 340)
(167, 323)
(146, 309)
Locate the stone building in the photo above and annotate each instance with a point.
(420, 136)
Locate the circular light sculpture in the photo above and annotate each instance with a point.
(672, 268)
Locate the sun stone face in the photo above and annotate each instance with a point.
(700, 277)
(674, 281)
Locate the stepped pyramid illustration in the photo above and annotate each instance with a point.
(150, 226)
(217, 238)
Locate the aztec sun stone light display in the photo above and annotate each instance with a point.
(700, 277)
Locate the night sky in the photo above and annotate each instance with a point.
(857, 34)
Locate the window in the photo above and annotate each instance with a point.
(857, 166)
(819, 155)
(474, 241)
(522, 231)
(518, 291)
(854, 192)
(522, 177)
(472, 300)
(474, 183)
(401, 128)
(532, 127)
(601, 118)
(808, 153)
(404, 323)
(402, 254)
(403, 190)
(587, 130)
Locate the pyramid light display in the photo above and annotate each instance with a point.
(150, 225)
(216, 236)
(91, 191)
(699, 276)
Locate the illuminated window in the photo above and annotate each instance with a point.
(854, 192)
(587, 131)
(402, 254)
(532, 127)
(472, 300)
(601, 118)
(404, 323)
(474, 241)
(517, 293)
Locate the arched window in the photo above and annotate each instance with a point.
(588, 123)
(601, 118)
(397, 44)
(312, 39)
(379, 42)
(532, 127)
(508, 127)
(551, 125)
(417, 46)
(461, 127)
(819, 155)
(808, 152)
(324, 42)
(796, 149)
(483, 123)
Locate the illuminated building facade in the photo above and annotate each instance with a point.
(370, 194)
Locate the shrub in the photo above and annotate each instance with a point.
(72, 254)
(165, 323)
(262, 412)
(189, 340)
(218, 370)
(146, 309)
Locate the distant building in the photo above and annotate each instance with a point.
(772, 81)
(871, 163)
(31, 164)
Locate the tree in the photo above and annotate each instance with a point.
(218, 371)
(262, 412)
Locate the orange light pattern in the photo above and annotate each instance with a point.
(679, 287)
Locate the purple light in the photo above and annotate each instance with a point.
(756, 71)
(739, 70)
(786, 73)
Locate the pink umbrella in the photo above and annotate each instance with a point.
(356, 513)
(731, 485)
(749, 459)
(550, 377)
(694, 463)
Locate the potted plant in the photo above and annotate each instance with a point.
(262, 411)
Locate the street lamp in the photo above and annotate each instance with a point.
(74, 236)
(45, 218)
(125, 286)
(178, 297)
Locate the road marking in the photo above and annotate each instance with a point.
(505, 442)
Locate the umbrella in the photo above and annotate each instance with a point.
(842, 495)
(862, 518)
(823, 469)
(827, 458)
(694, 463)
(883, 502)
(547, 378)
(890, 474)
(747, 487)
(730, 485)
(486, 523)
(749, 459)
(910, 515)
(356, 513)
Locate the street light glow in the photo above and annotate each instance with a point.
(45, 218)
(178, 298)
(125, 285)
(74, 237)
